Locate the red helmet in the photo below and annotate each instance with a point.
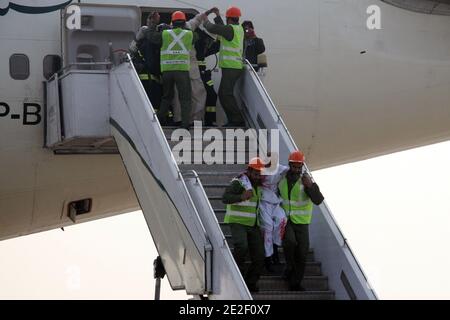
(178, 15)
(297, 157)
(233, 12)
(256, 164)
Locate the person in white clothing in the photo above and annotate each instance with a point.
(273, 219)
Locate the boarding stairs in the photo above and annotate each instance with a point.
(181, 201)
(215, 178)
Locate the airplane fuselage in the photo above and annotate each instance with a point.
(346, 91)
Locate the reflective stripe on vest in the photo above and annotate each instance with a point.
(211, 109)
(176, 45)
(143, 76)
(297, 205)
(244, 212)
(155, 78)
(230, 56)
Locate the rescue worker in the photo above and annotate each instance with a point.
(137, 51)
(146, 58)
(176, 45)
(298, 193)
(231, 38)
(198, 94)
(253, 46)
(206, 46)
(242, 198)
(273, 217)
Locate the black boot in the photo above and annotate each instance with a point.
(296, 287)
(275, 257)
(253, 288)
(268, 264)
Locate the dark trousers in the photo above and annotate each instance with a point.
(211, 96)
(226, 95)
(155, 93)
(183, 82)
(296, 246)
(248, 240)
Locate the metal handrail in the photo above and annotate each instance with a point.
(70, 65)
(194, 174)
(223, 240)
(274, 109)
(155, 118)
(166, 144)
(328, 211)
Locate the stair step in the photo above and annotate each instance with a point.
(220, 213)
(309, 257)
(216, 185)
(199, 158)
(276, 283)
(170, 129)
(294, 295)
(180, 136)
(313, 268)
(217, 204)
(218, 177)
(215, 192)
(199, 168)
(196, 145)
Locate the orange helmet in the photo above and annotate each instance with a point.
(256, 164)
(233, 12)
(178, 15)
(297, 157)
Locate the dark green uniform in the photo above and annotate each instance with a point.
(206, 46)
(230, 71)
(245, 232)
(175, 64)
(298, 205)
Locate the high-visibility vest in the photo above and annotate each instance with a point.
(297, 205)
(230, 54)
(244, 212)
(176, 45)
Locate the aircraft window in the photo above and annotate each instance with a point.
(51, 65)
(79, 207)
(19, 66)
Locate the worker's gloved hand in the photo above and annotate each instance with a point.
(133, 46)
(307, 181)
(141, 33)
(204, 16)
(213, 10)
